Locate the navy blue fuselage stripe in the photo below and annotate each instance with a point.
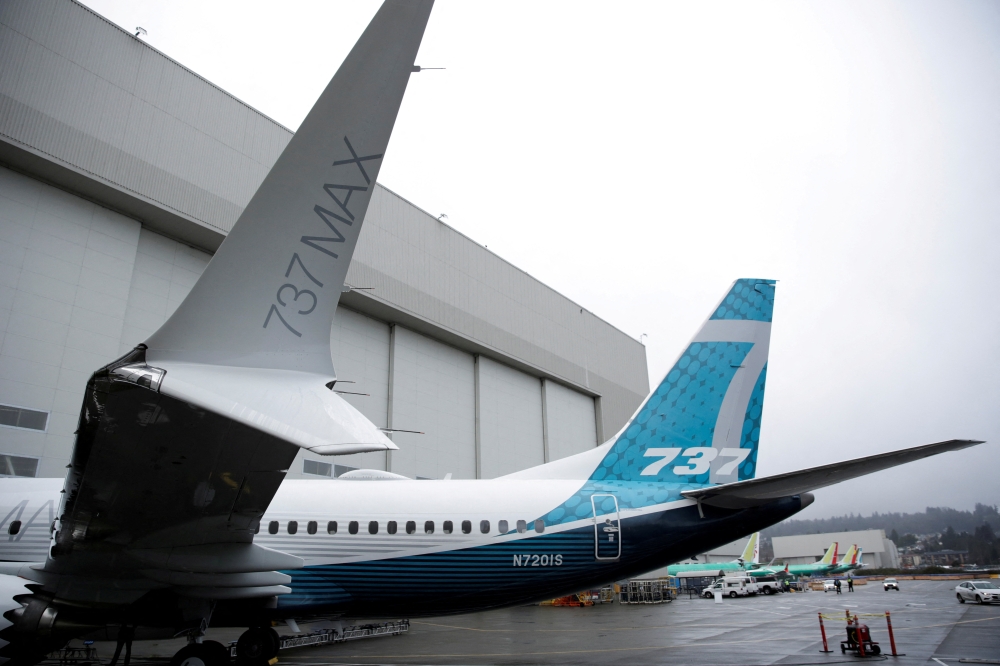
(486, 577)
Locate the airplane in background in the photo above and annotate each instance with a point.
(824, 565)
(175, 516)
(849, 562)
(856, 562)
(749, 558)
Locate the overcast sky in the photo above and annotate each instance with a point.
(639, 157)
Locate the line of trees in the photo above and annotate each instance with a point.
(982, 544)
(935, 520)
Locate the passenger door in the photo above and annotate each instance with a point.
(607, 526)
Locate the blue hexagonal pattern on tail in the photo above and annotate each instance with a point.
(681, 413)
(751, 426)
(748, 299)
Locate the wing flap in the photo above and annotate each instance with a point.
(754, 492)
(220, 558)
(294, 406)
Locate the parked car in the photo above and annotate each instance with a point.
(829, 586)
(980, 591)
(890, 584)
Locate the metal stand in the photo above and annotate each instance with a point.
(333, 635)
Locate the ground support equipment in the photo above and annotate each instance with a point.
(645, 592)
(70, 656)
(333, 635)
(859, 640)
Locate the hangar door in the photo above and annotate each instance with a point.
(510, 419)
(570, 421)
(433, 392)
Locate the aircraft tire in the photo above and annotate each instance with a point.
(206, 653)
(255, 646)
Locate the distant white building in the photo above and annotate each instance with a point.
(879, 551)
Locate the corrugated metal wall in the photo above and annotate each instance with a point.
(78, 92)
(417, 264)
(79, 89)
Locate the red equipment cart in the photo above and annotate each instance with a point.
(859, 640)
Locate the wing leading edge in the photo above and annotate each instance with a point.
(754, 492)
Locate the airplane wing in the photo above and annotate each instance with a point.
(754, 492)
(183, 442)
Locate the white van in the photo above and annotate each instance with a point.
(732, 586)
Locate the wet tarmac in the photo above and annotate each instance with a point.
(930, 627)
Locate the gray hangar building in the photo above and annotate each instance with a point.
(121, 171)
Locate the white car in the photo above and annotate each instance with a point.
(980, 591)
(890, 584)
(829, 586)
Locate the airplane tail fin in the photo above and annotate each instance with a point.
(267, 298)
(857, 556)
(751, 554)
(831, 554)
(701, 425)
(850, 555)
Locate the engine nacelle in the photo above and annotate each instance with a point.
(14, 594)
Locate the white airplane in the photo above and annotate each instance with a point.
(174, 515)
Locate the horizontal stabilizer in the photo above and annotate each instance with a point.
(754, 492)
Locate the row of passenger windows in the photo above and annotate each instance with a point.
(411, 527)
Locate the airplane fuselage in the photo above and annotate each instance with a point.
(405, 548)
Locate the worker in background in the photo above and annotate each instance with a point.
(850, 583)
(836, 584)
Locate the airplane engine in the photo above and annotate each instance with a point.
(15, 599)
(10, 587)
(30, 625)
